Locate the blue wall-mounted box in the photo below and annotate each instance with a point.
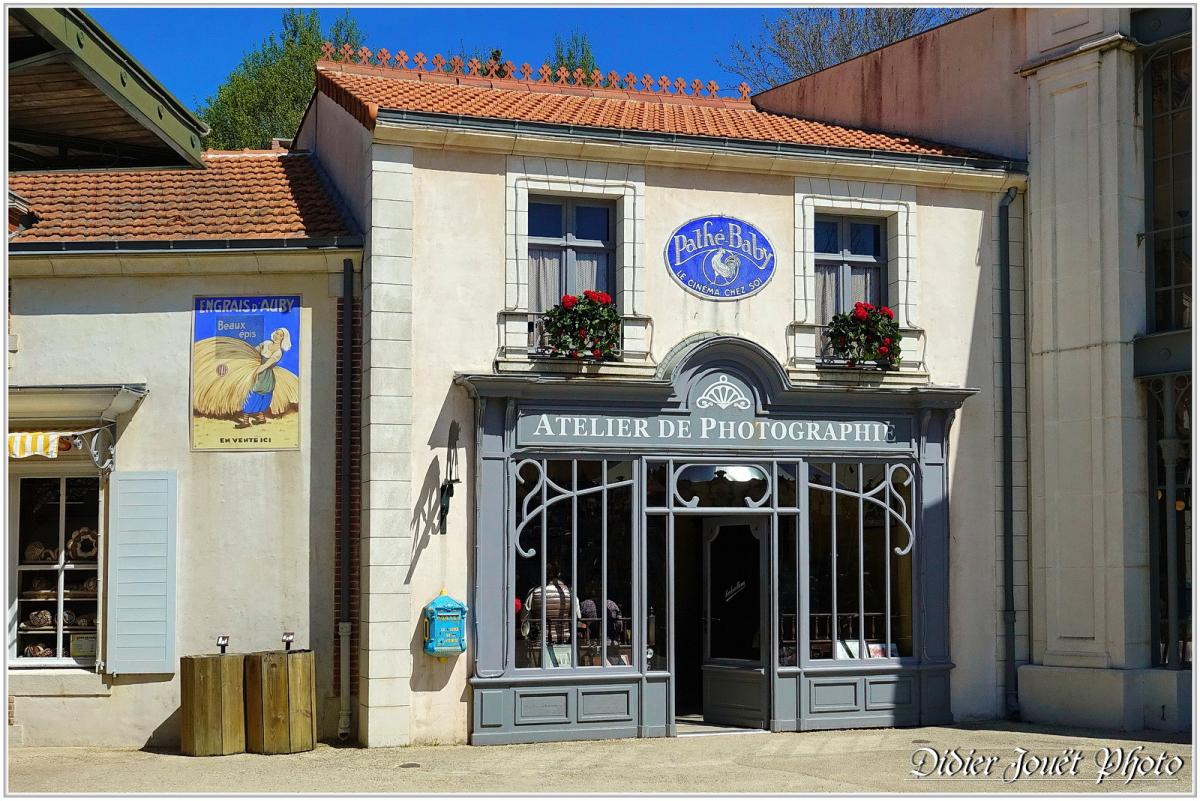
(445, 626)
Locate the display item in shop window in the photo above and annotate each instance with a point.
(91, 584)
(561, 608)
(41, 619)
(83, 545)
(40, 584)
(36, 650)
(589, 614)
(68, 618)
(37, 552)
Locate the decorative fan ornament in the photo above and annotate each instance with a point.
(723, 394)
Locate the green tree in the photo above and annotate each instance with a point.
(484, 54)
(573, 53)
(801, 41)
(266, 94)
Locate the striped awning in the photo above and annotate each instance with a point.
(45, 443)
(35, 443)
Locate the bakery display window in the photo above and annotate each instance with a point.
(55, 578)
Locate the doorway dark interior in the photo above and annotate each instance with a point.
(689, 618)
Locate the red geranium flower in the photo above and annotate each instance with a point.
(597, 353)
(605, 298)
(887, 340)
(887, 312)
(860, 313)
(582, 332)
(883, 349)
(868, 307)
(568, 302)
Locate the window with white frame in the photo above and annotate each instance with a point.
(571, 249)
(54, 574)
(850, 264)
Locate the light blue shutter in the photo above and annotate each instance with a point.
(140, 625)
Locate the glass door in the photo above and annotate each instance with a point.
(735, 604)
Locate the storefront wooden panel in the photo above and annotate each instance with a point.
(605, 705)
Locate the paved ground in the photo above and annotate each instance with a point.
(879, 760)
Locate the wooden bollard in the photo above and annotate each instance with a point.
(281, 702)
(212, 711)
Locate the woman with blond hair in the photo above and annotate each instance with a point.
(258, 400)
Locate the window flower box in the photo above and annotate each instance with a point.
(867, 338)
(584, 327)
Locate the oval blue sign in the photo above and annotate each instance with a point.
(720, 258)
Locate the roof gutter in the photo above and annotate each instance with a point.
(186, 246)
(621, 136)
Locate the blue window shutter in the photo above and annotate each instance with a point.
(140, 624)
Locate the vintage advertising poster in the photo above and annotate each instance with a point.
(246, 373)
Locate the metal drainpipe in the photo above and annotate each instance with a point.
(1012, 706)
(347, 395)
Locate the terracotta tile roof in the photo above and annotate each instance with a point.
(266, 194)
(366, 87)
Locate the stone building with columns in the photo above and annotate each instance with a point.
(1099, 102)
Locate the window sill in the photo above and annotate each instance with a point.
(68, 680)
(556, 365)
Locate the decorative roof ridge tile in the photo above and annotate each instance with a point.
(495, 75)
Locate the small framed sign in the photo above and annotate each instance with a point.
(83, 645)
(720, 258)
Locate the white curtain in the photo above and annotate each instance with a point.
(864, 285)
(544, 289)
(591, 272)
(827, 292)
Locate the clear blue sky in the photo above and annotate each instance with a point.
(190, 50)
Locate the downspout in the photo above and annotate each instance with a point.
(347, 395)
(1012, 706)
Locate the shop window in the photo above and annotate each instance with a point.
(571, 249)
(721, 486)
(1169, 186)
(788, 630)
(657, 636)
(1170, 421)
(56, 585)
(574, 564)
(860, 560)
(849, 264)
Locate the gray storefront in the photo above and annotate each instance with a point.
(714, 546)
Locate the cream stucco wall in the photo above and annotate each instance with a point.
(459, 289)
(255, 539)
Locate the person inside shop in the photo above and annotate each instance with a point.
(561, 610)
(590, 623)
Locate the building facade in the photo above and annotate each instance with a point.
(717, 518)
(596, 497)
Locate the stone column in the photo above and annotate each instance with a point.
(385, 659)
(1087, 429)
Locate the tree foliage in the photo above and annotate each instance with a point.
(802, 41)
(266, 94)
(484, 54)
(573, 53)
